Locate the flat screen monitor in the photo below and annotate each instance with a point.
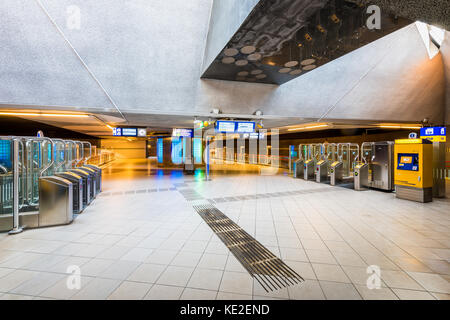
(226, 126)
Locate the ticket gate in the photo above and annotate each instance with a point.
(92, 175)
(361, 176)
(77, 182)
(55, 201)
(336, 173)
(96, 177)
(308, 169)
(87, 198)
(99, 176)
(298, 168)
(322, 167)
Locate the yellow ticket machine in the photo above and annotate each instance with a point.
(414, 169)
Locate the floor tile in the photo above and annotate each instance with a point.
(413, 294)
(376, 294)
(175, 276)
(339, 291)
(97, 289)
(236, 282)
(205, 279)
(61, 291)
(137, 254)
(161, 292)
(130, 291)
(161, 256)
(431, 282)
(307, 290)
(186, 259)
(198, 294)
(213, 261)
(329, 272)
(399, 279)
(120, 270)
(147, 273)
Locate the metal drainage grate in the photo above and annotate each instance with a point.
(270, 272)
(190, 194)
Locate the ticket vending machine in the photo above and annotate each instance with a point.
(414, 169)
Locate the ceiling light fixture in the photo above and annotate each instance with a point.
(36, 114)
(399, 127)
(310, 127)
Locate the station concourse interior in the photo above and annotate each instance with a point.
(225, 150)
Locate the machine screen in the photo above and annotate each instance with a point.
(408, 161)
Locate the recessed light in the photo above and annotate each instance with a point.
(308, 61)
(309, 67)
(291, 64)
(243, 73)
(228, 60)
(231, 52)
(248, 49)
(241, 63)
(295, 72)
(284, 70)
(254, 56)
(260, 76)
(256, 71)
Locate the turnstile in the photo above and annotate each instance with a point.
(99, 176)
(298, 168)
(322, 171)
(361, 176)
(55, 201)
(77, 182)
(336, 172)
(308, 169)
(87, 198)
(93, 182)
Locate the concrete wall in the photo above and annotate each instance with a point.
(226, 18)
(445, 51)
(148, 56)
(125, 149)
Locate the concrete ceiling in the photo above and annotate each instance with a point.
(146, 60)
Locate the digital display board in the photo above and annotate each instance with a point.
(408, 161)
(226, 126)
(437, 134)
(129, 132)
(177, 132)
(245, 127)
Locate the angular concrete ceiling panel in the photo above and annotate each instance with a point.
(147, 55)
(37, 66)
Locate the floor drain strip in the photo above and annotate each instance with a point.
(270, 271)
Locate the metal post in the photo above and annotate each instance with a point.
(16, 228)
(207, 159)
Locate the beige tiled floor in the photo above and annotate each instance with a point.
(153, 245)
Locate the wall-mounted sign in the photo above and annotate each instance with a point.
(412, 135)
(235, 126)
(435, 134)
(177, 132)
(225, 126)
(129, 132)
(245, 127)
(142, 132)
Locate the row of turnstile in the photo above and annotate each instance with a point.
(45, 182)
(368, 166)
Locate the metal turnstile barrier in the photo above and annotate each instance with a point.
(87, 198)
(336, 173)
(361, 176)
(322, 167)
(308, 169)
(77, 182)
(298, 168)
(55, 201)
